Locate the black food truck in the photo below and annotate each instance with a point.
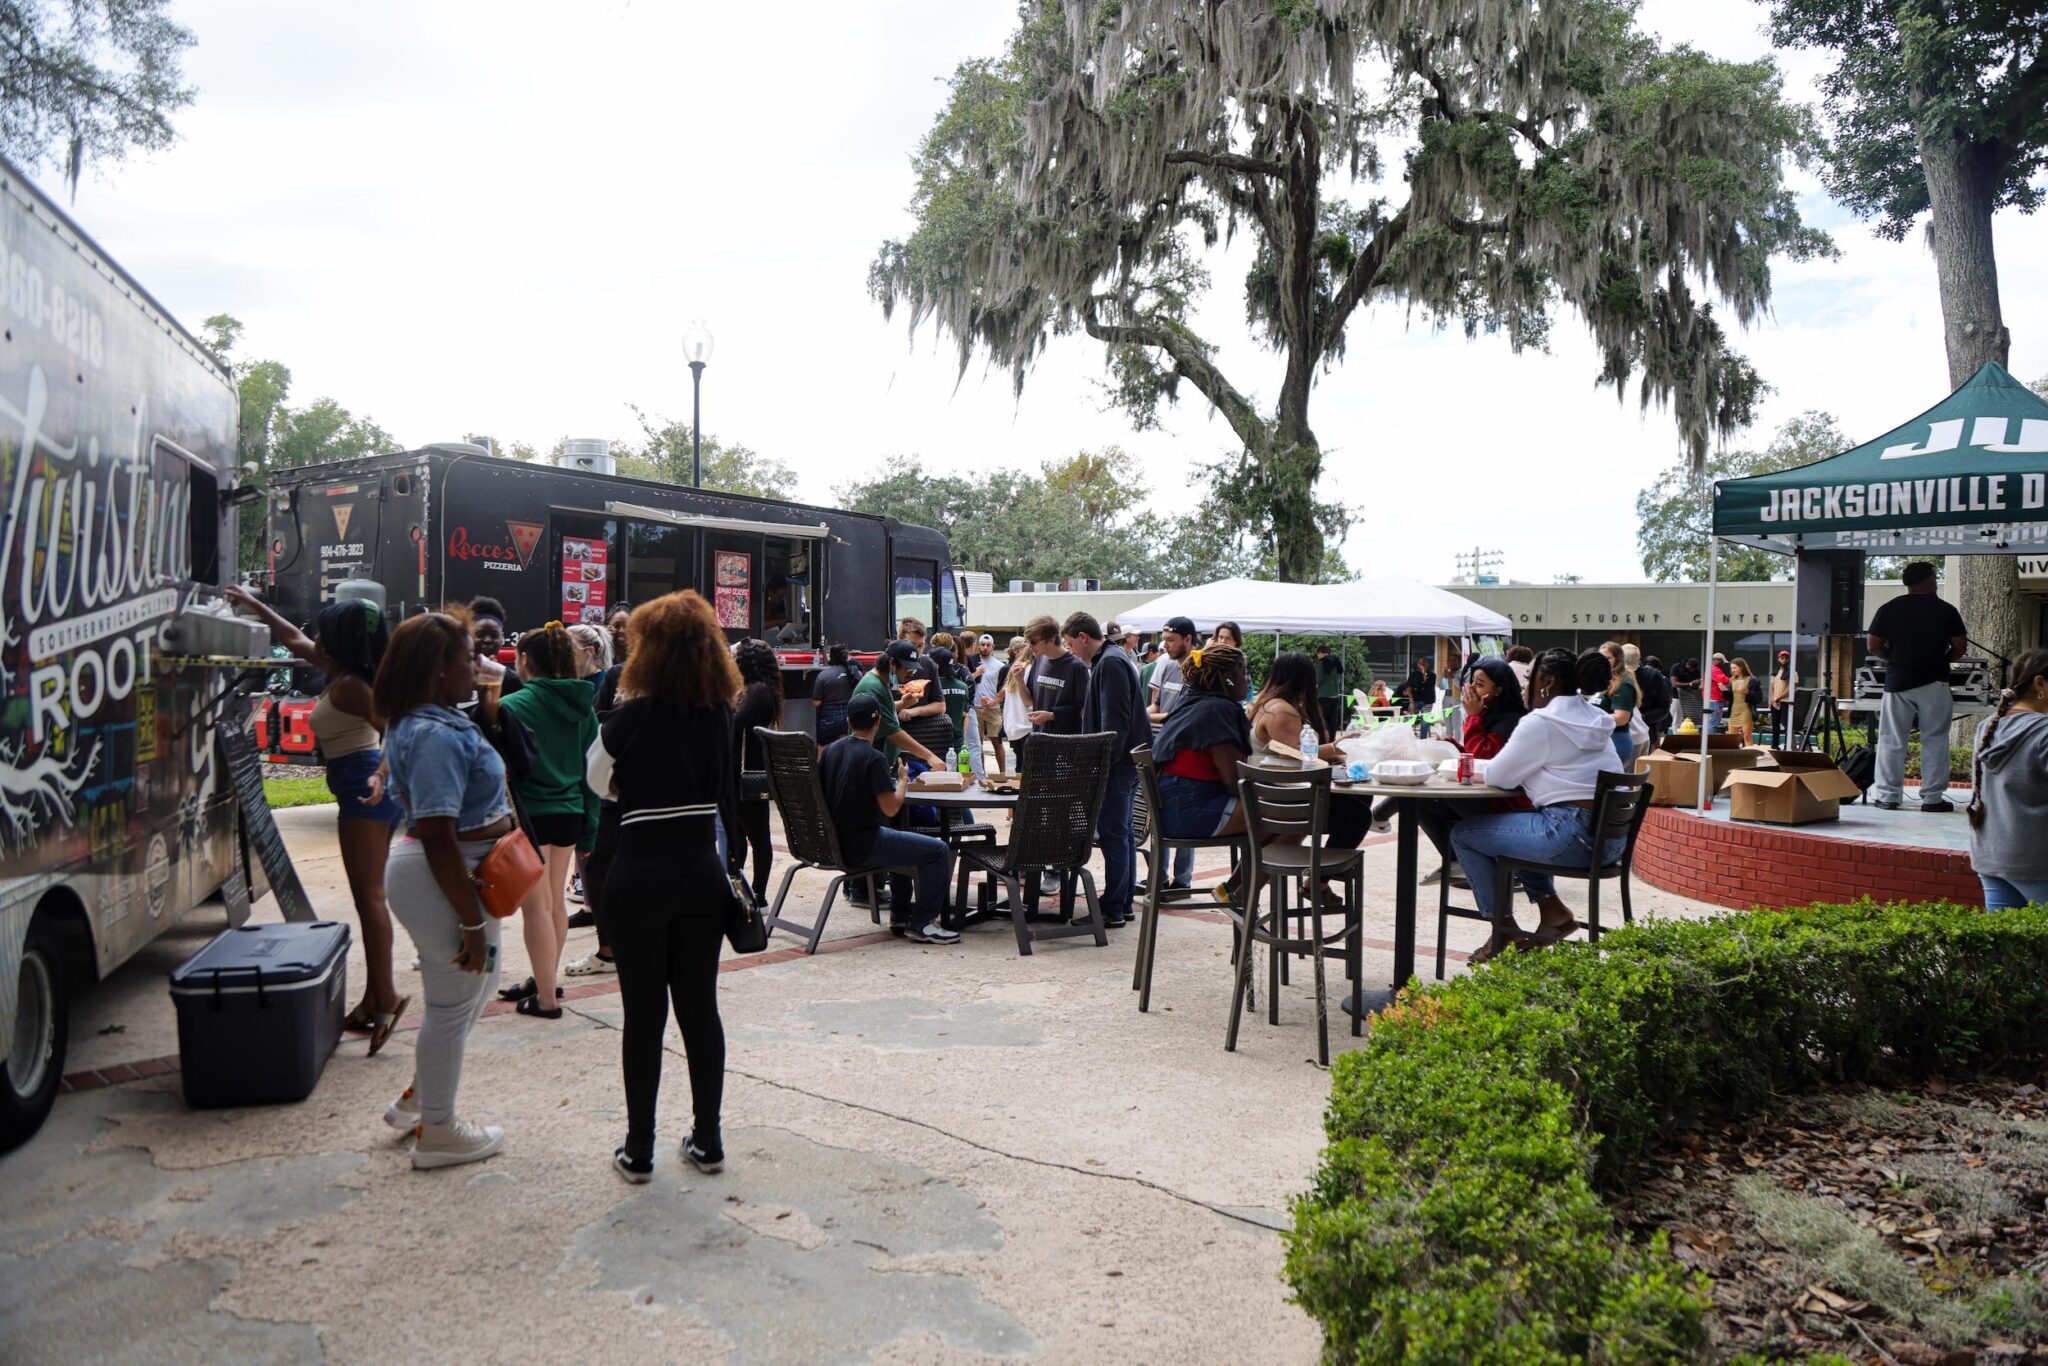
(571, 542)
(118, 814)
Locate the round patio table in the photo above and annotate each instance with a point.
(1406, 795)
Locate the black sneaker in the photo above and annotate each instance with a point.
(583, 920)
(1884, 803)
(1114, 922)
(1939, 804)
(931, 932)
(705, 1157)
(633, 1171)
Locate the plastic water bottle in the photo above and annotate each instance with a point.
(952, 761)
(1309, 745)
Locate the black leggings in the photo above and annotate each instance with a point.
(754, 829)
(665, 926)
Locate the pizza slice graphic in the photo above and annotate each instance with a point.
(525, 536)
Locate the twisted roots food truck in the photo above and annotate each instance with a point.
(117, 449)
(574, 542)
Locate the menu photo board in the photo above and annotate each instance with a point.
(732, 591)
(586, 580)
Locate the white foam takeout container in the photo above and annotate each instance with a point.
(1402, 772)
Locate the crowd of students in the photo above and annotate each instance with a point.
(629, 754)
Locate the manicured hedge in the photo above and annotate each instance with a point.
(1456, 1217)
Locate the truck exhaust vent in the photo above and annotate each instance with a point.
(590, 454)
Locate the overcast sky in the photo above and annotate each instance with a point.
(500, 217)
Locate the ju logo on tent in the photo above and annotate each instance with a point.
(1988, 432)
(525, 536)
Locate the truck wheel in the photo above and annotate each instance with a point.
(34, 1062)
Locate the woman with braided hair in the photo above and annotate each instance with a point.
(347, 645)
(1200, 745)
(2009, 791)
(554, 704)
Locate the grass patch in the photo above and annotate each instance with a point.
(286, 792)
(1457, 1215)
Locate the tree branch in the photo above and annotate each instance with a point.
(1358, 281)
(1225, 161)
(1521, 125)
(1189, 361)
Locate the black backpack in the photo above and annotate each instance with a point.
(1860, 764)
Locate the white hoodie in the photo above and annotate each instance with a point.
(1557, 754)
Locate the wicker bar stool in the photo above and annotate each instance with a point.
(1059, 797)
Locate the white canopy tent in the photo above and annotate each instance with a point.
(1366, 607)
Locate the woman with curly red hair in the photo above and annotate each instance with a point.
(666, 755)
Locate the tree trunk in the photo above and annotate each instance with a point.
(1294, 462)
(1962, 182)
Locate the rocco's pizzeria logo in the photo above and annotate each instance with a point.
(512, 554)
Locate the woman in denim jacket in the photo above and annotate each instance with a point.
(452, 785)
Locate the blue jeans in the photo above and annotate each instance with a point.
(1183, 869)
(2003, 894)
(1119, 850)
(1624, 745)
(1714, 726)
(1560, 835)
(934, 864)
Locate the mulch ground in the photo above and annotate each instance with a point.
(1891, 1226)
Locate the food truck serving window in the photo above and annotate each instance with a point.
(787, 581)
(655, 556)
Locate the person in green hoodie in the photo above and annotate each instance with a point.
(555, 707)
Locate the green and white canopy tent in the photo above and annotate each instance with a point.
(1967, 477)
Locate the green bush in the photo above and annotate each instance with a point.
(1456, 1216)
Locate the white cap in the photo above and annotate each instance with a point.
(986, 639)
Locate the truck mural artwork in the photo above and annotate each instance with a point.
(450, 522)
(117, 440)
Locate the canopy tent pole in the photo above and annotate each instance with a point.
(1707, 668)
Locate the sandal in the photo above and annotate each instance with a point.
(529, 1005)
(1494, 948)
(1543, 937)
(384, 1021)
(361, 1020)
(523, 991)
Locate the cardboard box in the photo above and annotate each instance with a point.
(1793, 787)
(938, 780)
(1674, 767)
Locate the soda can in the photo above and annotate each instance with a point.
(1464, 770)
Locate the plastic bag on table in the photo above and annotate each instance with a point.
(1381, 742)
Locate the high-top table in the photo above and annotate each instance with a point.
(1406, 795)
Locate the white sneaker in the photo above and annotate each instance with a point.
(1382, 827)
(403, 1113)
(454, 1143)
(595, 965)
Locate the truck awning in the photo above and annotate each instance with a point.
(798, 530)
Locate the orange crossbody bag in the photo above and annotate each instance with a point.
(507, 873)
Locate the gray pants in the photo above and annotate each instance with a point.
(1928, 709)
(454, 998)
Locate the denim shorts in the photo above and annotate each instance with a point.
(348, 778)
(1193, 810)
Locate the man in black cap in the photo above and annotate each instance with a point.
(861, 797)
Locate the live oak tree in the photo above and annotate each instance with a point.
(88, 80)
(1482, 163)
(1940, 109)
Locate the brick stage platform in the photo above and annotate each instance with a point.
(1906, 855)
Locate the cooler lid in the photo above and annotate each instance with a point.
(280, 954)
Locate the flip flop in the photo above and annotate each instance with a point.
(529, 1005)
(1543, 939)
(361, 1020)
(523, 991)
(386, 1021)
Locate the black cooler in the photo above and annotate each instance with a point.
(259, 1011)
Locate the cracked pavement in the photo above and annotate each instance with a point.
(933, 1155)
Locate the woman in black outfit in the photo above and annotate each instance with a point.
(829, 692)
(760, 704)
(666, 756)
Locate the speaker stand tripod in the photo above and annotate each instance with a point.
(1823, 719)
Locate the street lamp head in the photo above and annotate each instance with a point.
(697, 343)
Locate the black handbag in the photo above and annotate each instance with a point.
(745, 929)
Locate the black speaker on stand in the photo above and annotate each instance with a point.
(1828, 602)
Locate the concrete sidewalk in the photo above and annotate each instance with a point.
(934, 1154)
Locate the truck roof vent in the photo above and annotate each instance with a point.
(591, 454)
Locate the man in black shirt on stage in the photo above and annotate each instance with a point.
(1918, 636)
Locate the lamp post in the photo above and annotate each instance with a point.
(697, 350)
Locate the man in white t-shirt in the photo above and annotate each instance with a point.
(987, 715)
